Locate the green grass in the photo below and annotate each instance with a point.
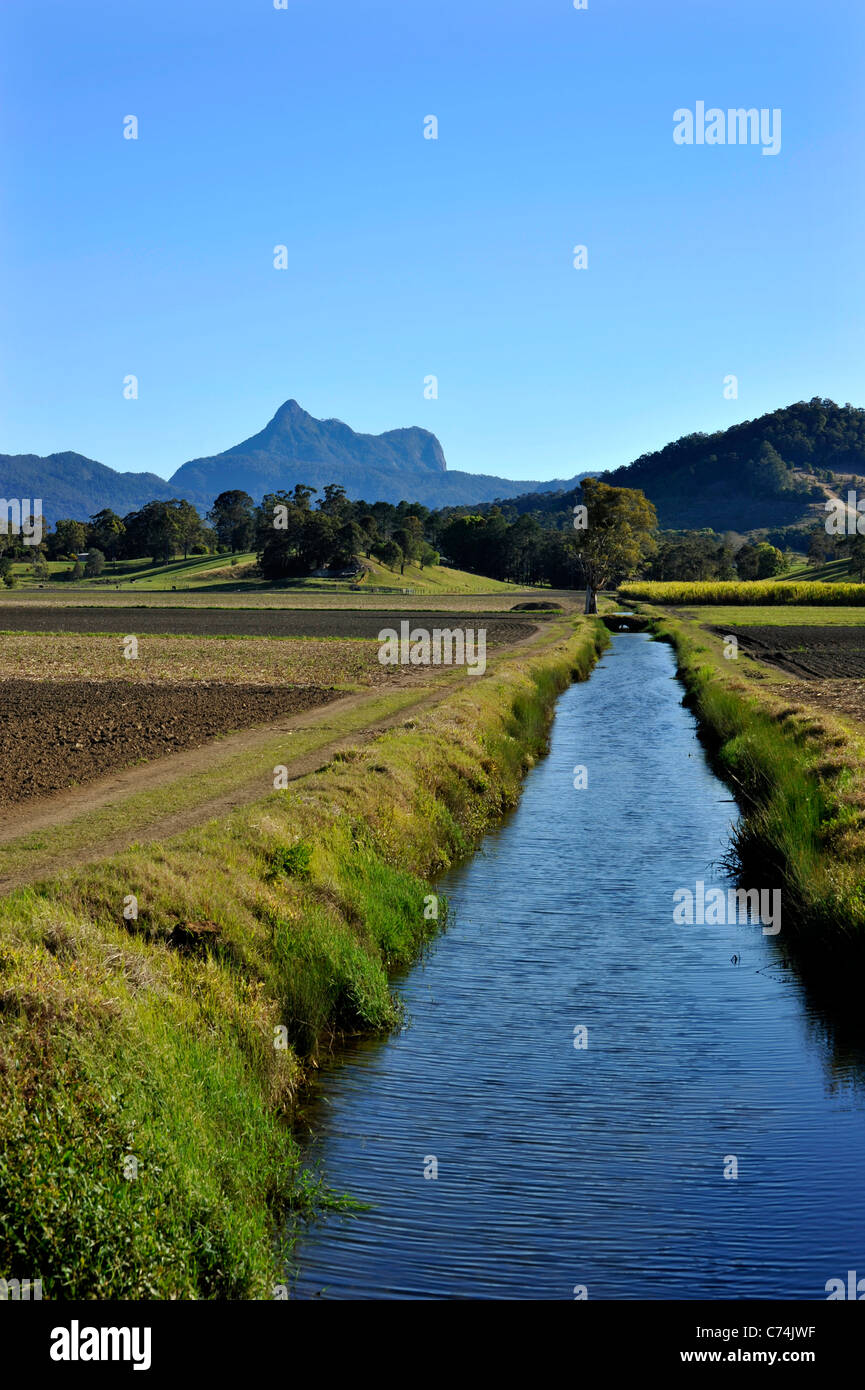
(194, 572)
(433, 579)
(159, 1036)
(831, 572)
(798, 775)
(198, 572)
(212, 573)
(777, 615)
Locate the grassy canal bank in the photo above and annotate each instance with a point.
(797, 772)
(159, 1010)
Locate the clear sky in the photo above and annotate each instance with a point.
(407, 257)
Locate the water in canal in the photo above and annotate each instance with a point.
(600, 1167)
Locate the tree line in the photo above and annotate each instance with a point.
(607, 534)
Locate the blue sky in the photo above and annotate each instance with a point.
(410, 257)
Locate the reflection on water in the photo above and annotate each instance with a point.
(601, 1167)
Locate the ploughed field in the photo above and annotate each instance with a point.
(75, 708)
(810, 652)
(502, 601)
(825, 665)
(269, 622)
(57, 734)
(251, 660)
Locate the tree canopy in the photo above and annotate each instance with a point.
(613, 534)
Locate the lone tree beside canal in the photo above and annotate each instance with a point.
(613, 535)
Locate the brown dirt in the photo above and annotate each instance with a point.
(827, 664)
(56, 734)
(46, 813)
(248, 622)
(839, 696)
(87, 656)
(811, 653)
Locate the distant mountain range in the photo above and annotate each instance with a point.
(294, 447)
(406, 464)
(71, 485)
(759, 473)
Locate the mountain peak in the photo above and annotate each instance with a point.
(288, 413)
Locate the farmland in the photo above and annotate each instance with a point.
(327, 597)
(757, 615)
(331, 623)
(817, 664)
(78, 710)
(256, 905)
(62, 733)
(98, 748)
(762, 592)
(813, 655)
(809, 651)
(87, 656)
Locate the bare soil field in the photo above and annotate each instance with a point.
(844, 696)
(161, 795)
(277, 601)
(73, 710)
(251, 660)
(57, 734)
(266, 622)
(826, 664)
(812, 653)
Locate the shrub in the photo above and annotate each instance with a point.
(290, 861)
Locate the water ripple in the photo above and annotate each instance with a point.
(602, 1167)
